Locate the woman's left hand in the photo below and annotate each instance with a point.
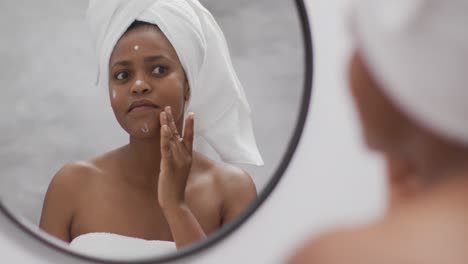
(176, 160)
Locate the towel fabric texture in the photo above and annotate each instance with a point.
(418, 51)
(119, 247)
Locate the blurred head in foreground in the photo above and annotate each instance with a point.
(409, 80)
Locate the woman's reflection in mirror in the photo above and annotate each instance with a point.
(170, 79)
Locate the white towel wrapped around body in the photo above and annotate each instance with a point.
(217, 96)
(119, 247)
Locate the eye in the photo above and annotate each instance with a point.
(158, 70)
(121, 75)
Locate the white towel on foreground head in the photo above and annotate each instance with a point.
(418, 51)
(222, 113)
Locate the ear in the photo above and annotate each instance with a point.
(187, 91)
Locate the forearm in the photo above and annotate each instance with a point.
(184, 225)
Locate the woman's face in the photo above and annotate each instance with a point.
(145, 75)
(384, 127)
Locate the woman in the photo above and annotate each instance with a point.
(408, 79)
(156, 58)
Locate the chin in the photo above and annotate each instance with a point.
(144, 133)
(141, 128)
(141, 132)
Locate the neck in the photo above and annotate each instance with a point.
(417, 180)
(437, 162)
(142, 160)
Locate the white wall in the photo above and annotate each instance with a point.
(332, 179)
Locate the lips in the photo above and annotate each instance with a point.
(142, 105)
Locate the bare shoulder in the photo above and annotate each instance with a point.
(72, 178)
(62, 198)
(233, 179)
(427, 229)
(229, 179)
(76, 173)
(392, 240)
(79, 174)
(234, 187)
(337, 247)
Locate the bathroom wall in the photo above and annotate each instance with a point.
(332, 180)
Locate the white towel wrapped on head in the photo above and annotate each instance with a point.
(418, 51)
(223, 117)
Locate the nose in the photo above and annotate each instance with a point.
(140, 87)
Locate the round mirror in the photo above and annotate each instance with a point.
(57, 121)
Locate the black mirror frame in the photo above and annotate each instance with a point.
(226, 230)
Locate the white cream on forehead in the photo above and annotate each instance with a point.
(145, 128)
(138, 82)
(136, 47)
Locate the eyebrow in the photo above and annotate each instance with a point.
(147, 59)
(155, 58)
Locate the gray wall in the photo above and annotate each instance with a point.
(53, 114)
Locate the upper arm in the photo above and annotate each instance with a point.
(60, 201)
(239, 192)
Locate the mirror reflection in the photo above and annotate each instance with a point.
(145, 124)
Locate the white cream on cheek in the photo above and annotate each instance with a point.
(114, 94)
(136, 47)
